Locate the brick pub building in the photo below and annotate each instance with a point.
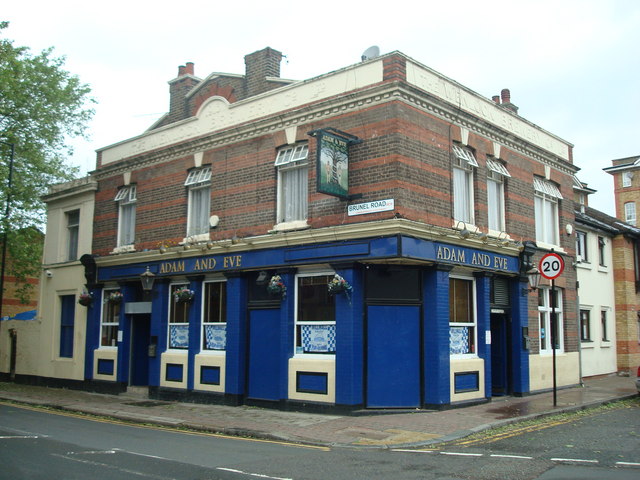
(358, 239)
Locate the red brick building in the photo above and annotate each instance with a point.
(361, 238)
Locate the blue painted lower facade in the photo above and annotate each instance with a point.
(419, 326)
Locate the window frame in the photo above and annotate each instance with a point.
(171, 316)
(585, 326)
(602, 254)
(495, 203)
(222, 313)
(627, 178)
(73, 235)
(604, 325)
(630, 215)
(109, 319)
(473, 325)
(126, 199)
(67, 325)
(198, 184)
(298, 347)
(463, 192)
(582, 247)
(544, 314)
(291, 161)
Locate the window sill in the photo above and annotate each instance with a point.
(584, 265)
(286, 226)
(316, 356)
(603, 269)
(202, 237)
(605, 344)
(123, 249)
(586, 344)
(213, 352)
(549, 246)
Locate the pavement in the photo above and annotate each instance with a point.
(364, 429)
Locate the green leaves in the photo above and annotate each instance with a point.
(42, 106)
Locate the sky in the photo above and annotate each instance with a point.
(572, 66)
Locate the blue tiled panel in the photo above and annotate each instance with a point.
(174, 372)
(467, 382)
(311, 382)
(210, 375)
(105, 367)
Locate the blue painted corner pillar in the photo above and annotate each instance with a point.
(236, 355)
(519, 353)
(349, 338)
(92, 340)
(287, 329)
(483, 312)
(124, 346)
(195, 331)
(159, 328)
(437, 364)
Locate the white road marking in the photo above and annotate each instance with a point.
(573, 460)
(113, 467)
(628, 464)
(459, 454)
(512, 456)
(13, 437)
(259, 475)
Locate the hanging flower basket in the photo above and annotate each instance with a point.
(276, 286)
(183, 294)
(85, 299)
(339, 285)
(114, 297)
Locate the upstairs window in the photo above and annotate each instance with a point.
(602, 258)
(198, 184)
(581, 246)
(546, 200)
(73, 228)
(126, 198)
(496, 175)
(630, 213)
(463, 164)
(627, 177)
(293, 179)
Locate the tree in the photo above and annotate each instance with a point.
(42, 106)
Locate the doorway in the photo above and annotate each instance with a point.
(500, 355)
(140, 352)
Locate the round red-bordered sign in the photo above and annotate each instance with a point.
(551, 266)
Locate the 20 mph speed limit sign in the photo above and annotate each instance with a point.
(551, 266)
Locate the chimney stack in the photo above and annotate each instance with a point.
(179, 87)
(505, 95)
(260, 65)
(496, 99)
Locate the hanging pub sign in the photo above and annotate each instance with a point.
(332, 161)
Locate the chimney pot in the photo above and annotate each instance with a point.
(189, 68)
(181, 70)
(496, 98)
(506, 95)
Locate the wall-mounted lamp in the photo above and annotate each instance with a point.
(533, 276)
(483, 237)
(147, 278)
(464, 233)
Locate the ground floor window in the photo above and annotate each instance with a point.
(214, 316)
(462, 316)
(67, 322)
(110, 317)
(179, 302)
(585, 325)
(548, 304)
(315, 321)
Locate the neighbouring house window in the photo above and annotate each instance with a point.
(315, 321)
(581, 246)
(602, 259)
(178, 318)
(630, 213)
(585, 325)
(198, 184)
(110, 320)
(73, 227)
(546, 306)
(627, 177)
(214, 316)
(67, 322)
(126, 198)
(495, 193)
(546, 200)
(293, 180)
(463, 165)
(462, 316)
(604, 326)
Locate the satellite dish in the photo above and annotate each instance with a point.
(369, 53)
